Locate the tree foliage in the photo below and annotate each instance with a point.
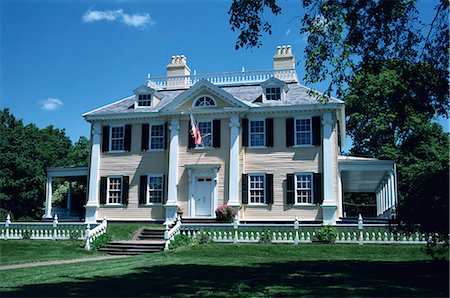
(25, 152)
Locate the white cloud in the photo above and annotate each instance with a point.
(288, 31)
(140, 20)
(50, 104)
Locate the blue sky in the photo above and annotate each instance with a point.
(60, 59)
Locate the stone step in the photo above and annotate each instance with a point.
(200, 220)
(151, 237)
(133, 247)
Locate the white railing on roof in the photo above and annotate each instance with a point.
(222, 79)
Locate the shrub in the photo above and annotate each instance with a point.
(204, 238)
(101, 241)
(181, 240)
(26, 235)
(225, 213)
(326, 234)
(75, 234)
(266, 237)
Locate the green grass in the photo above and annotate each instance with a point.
(28, 251)
(126, 231)
(243, 270)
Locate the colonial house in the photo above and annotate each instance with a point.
(268, 148)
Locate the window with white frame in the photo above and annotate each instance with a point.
(117, 138)
(157, 136)
(144, 100)
(155, 189)
(257, 184)
(273, 93)
(205, 128)
(303, 132)
(303, 188)
(204, 101)
(257, 133)
(115, 190)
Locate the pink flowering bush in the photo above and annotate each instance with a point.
(225, 213)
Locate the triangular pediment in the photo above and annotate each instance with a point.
(203, 88)
(275, 82)
(144, 89)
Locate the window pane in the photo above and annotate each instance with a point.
(115, 190)
(257, 188)
(157, 137)
(257, 133)
(303, 132)
(205, 130)
(144, 100)
(303, 188)
(155, 188)
(117, 138)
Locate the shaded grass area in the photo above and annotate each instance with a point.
(28, 251)
(243, 270)
(126, 231)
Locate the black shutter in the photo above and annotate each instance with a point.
(145, 136)
(269, 132)
(244, 188)
(125, 188)
(105, 138)
(290, 189)
(143, 184)
(269, 189)
(103, 187)
(166, 134)
(127, 138)
(290, 132)
(316, 128)
(216, 133)
(317, 184)
(191, 143)
(244, 132)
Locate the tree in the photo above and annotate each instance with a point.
(25, 152)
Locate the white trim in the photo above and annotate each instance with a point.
(311, 174)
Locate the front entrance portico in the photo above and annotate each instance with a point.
(203, 190)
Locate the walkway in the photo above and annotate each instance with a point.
(59, 262)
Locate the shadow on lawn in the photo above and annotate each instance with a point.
(303, 278)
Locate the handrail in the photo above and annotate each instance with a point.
(94, 233)
(170, 234)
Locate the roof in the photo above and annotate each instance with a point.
(298, 95)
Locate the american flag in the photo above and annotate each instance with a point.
(195, 132)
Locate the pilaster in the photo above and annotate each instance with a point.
(94, 173)
(171, 204)
(329, 204)
(233, 195)
(48, 198)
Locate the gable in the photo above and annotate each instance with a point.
(220, 103)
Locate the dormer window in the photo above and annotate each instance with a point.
(144, 100)
(273, 93)
(204, 102)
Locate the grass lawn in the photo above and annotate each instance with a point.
(243, 270)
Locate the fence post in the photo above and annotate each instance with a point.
(7, 223)
(296, 230)
(88, 242)
(235, 227)
(55, 226)
(360, 227)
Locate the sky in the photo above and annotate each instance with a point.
(60, 59)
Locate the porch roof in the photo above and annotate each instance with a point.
(359, 174)
(77, 171)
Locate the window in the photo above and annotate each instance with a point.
(155, 189)
(257, 188)
(144, 100)
(273, 93)
(303, 132)
(303, 188)
(157, 137)
(114, 190)
(205, 128)
(257, 133)
(204, 101)
(117, 138)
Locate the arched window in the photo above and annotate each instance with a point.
(204, 101)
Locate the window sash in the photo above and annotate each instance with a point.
(303, 188)
(155, 189)
(144, 100)
(115, 185)
(205, 128)
(257, 133)
(303, 132)
(204, 101)
(273, 93)
(157, 137)
(117, 138)
(257, 189)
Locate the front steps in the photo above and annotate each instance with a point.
(148, 241)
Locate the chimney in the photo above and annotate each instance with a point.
(284, 59)
(178, 67)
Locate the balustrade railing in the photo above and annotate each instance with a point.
(94, 233)
(222, 79)
(170, 234)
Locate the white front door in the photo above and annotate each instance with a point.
(203, 196)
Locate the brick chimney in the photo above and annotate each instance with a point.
(178, 67)
(284, 59)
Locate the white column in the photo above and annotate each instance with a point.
(94, 174)
(48, 198)
(383, 194)
(390, 192)
(233, 195)
(171, 204)
(329, 204)
(392, 179)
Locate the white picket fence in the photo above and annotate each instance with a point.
(299, 233)
(52, 230)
